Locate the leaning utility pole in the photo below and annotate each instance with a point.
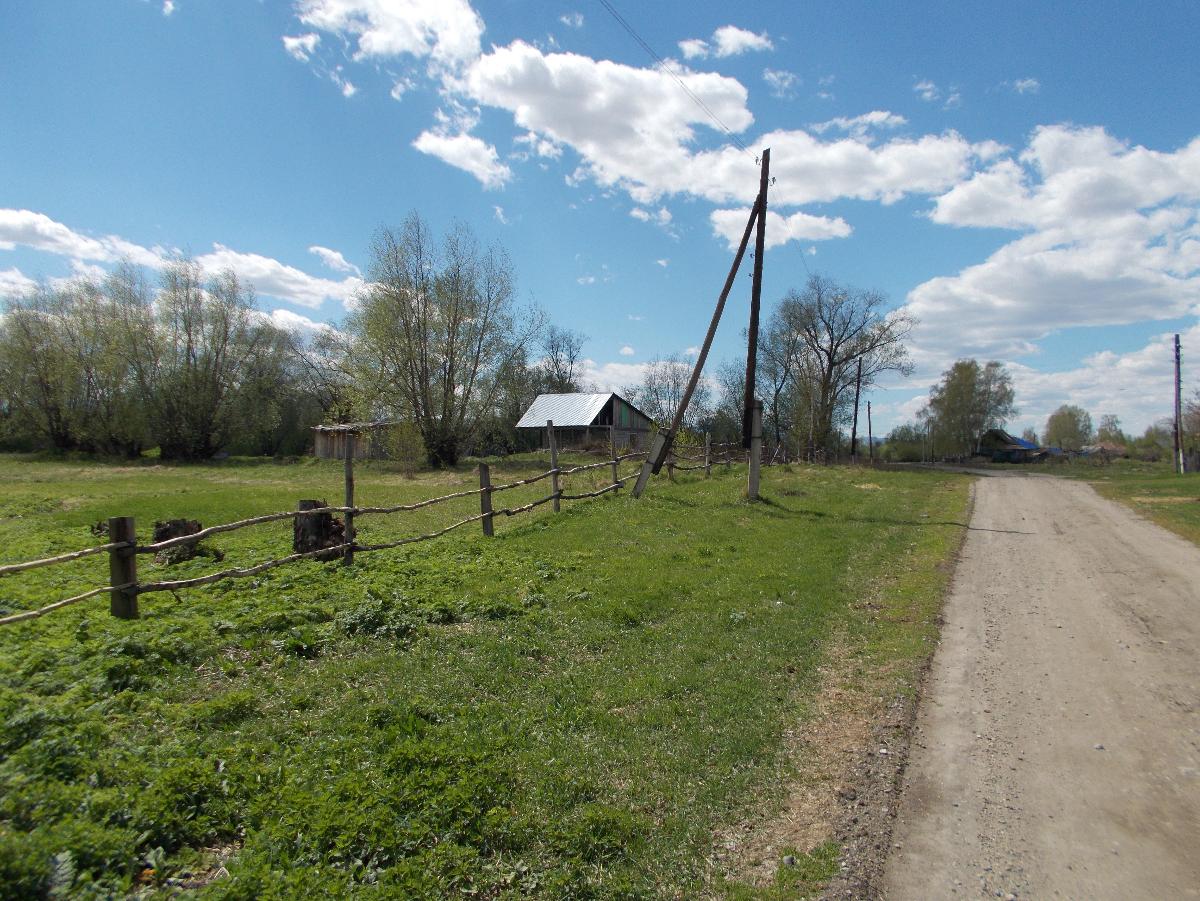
(663, 441)
(760, 241)
(854, 425)
(1178, 414)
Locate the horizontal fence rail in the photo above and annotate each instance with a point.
(122, 554)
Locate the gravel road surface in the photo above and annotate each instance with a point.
(1057, 747)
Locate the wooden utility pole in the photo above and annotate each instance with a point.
(870, 436)
(1178, 413)
(662, 442)
(760, 242)
(755, 460)
(854, 426)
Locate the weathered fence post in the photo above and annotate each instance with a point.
(707, 455)
(553, 462)
(348, 554)
(755, 450)
(122, 568)
(485, 499)
(671, 466)
(728, 458)
(612, 449)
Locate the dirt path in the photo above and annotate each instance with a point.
(1057, 751)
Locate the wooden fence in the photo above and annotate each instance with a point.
(124, 588)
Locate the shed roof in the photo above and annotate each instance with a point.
(355, 426)
(563, 410)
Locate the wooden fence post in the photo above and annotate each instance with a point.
(707, 455)
(485, 499)
(671, 466)
(553, 462)
(728, 458)
(612, 449)
(755, 450)
(348, 554)
(122, 568)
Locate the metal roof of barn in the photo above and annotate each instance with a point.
(564, 410)
(355, 426)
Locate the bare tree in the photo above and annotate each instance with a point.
(661, 389)
(561, 368)
(837, 326)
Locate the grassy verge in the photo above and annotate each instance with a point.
(1151, 489)
(572, 709)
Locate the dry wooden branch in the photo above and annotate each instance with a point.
(679, 468)
(513, 511)
(61, 558)
(42, 611)
(605, 490)
(529, 481)
(426, 537)
(235, 573)
(567, 472)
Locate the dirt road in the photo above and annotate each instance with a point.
(1057, 751)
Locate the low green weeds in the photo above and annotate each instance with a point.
(569, 709)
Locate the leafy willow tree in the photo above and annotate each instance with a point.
(969, 400)
(1069, 427)
(436, 333)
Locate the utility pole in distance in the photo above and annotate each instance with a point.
(1178, 414)
(854, 427)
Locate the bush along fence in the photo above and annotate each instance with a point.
(317, 534)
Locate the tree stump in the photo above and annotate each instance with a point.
(176, 528)
(320, 530)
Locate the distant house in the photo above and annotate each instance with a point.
(1005, 448)
(584, 419)
(371, 440)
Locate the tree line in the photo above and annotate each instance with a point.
(437, 343)
(971, 398)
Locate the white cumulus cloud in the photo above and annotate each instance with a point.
(448, 32)
(731, 225)
(301, 46)
(728, 40)
(334, 260)
(1110, 235)
(469, 153)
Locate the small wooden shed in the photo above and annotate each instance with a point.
(371, 440)
(582, 420)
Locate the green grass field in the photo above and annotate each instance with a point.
(571, 709)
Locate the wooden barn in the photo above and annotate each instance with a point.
(371, 440)
(583, 420)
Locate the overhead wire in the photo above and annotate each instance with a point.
(662, 64)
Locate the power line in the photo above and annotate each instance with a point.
(662, 64)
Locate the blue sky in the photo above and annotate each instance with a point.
(1024, 177)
